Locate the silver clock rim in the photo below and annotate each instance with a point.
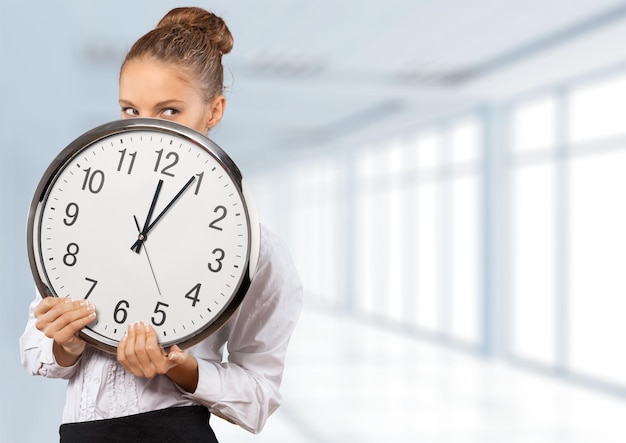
(139, 124)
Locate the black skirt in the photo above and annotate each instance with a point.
(187, 424)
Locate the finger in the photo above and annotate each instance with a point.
(155, 351)
(146, 349)
(71, 329)
(153, 348)
(53, 308)
(126, 354)
(176, 355)
(48, 303)
(66, 316)
(70, 322)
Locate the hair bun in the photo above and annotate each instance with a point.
(210, 24)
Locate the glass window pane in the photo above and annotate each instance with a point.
(376, 161)
(533, 125)
(366, 163)
(597, 266)
(267, 196)
(399, 158)
(428, 245)
(598, 110)
(304, 258)
(364, 253)
(326, 252)
(396, 253)
(314, 209)
(465, 140)
(532, 277)
(466, 259)
(428, 147)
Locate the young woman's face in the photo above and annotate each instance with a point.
(151, 89)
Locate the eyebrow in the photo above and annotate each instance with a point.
(161, 104)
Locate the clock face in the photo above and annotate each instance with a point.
(149, 221)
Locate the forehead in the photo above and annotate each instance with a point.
(147, 79)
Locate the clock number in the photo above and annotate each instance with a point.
(93, 285)
(200, 176)
(222, 211)
(120, 313)
(193, 294)
(157, 310)
(72, 212)
(220, 256)
(132, 160)
(172, 155)
(70, 258)
(93, 181)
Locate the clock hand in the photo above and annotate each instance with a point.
(171, 203)
(142, 235)
(148, 257)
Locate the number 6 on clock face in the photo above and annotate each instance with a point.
(150, 221)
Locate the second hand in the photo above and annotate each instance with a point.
(148, 257)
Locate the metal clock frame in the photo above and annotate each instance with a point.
(166, 127)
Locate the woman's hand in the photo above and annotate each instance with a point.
(60, 319)
(140, 354)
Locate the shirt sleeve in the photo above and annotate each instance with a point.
(244, 388)
(36, 350)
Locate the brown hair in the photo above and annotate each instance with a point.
(193, 39)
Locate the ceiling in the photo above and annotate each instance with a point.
(312, 75)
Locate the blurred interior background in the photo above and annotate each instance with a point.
(448, 174)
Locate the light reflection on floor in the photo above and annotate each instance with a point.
(350, 382)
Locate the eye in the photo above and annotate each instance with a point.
(132, 112)
(169, 112)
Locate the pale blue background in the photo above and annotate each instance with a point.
(340, 83)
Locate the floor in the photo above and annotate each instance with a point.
(347, 381)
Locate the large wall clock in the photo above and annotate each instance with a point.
(150, 221)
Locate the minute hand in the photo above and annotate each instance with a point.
(142, 233)
(169, 205)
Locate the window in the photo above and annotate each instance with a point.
(418, 248)
(567, 249)
(532, 291)
(597, 278)
(314, 229)
(533, 125)
(465, 229)
(302, 204)
(532, 284)
(597, 110)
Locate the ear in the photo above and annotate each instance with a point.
(215, 111)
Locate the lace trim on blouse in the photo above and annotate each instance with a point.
(119, 384)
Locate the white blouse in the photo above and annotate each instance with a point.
(240, 365)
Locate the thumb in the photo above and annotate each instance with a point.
(176, 355)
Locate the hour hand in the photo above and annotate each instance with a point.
(149, 225)
(146, 227)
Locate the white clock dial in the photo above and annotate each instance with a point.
(150, 222)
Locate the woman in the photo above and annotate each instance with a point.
(173, 72)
